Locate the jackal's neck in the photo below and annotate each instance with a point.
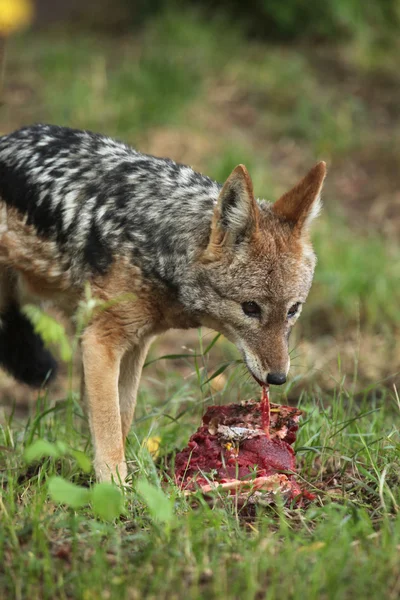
(175, 234)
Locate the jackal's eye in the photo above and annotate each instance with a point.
(293, 310)
(251, 309)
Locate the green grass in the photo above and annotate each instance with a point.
(125, 88)
(356, 278)
(344, 545)
(150, 79)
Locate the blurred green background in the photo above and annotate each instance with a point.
(274, 85)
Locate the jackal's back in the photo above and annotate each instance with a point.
(96, 197)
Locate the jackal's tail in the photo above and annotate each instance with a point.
(22, 352)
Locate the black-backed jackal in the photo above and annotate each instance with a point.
(78, 207)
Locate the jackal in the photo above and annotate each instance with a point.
(78, 207)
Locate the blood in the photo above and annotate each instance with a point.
(265, 410)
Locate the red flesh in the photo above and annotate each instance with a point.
(259, 455)
(265, 452)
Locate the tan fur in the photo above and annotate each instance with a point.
(39, 271)
(101, 371)
(129, 377)
(238, 180)
(21, 247)
(295, 205)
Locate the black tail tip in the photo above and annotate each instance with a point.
(40, 372)
(22, 351)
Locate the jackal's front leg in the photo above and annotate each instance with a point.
(130, 371)
(101, 363)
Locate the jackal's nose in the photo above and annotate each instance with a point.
(276, 378)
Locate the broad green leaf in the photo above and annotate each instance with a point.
(41, 449)
(83, 460)
(107, 501)
(159, 505)
(62, 447)
(65, 492)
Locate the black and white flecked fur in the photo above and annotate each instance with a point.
(95, 196)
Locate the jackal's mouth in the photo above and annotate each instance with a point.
(261, 383)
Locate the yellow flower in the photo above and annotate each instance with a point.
(14, 15)
(153, 445)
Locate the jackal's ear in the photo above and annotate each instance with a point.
(302, 204)
(236, 212)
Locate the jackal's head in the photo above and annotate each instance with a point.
(256, 271)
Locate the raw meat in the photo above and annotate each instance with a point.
(244, 446)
